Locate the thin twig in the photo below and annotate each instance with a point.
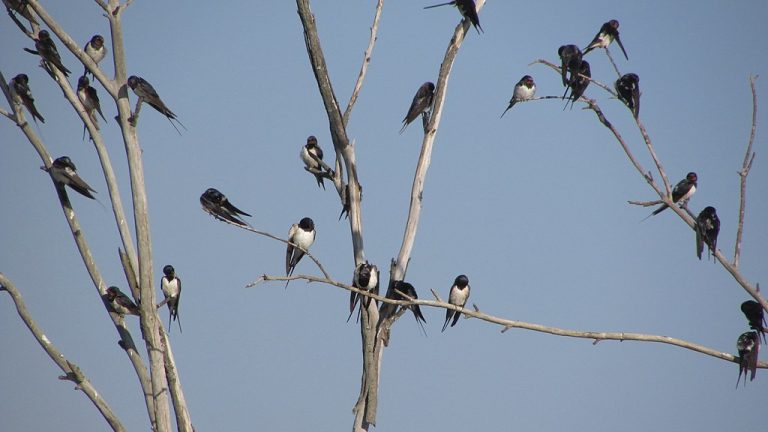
(749, 157)
(556, 68)
(610, 57)
(366, 61)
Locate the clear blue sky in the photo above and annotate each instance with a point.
(532, 207)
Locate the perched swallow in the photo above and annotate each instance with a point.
(755, 316)
(366, 277)
(682, 192)
(628, 89)
(570, 60)
(407, 289)
(89, 99)
(421, 104)
(64, 172)
(578, 83)
(524, 90)
(607, 34)
(468, 10)
(20, 87)
(171, 286)
(458, 297)
(707, 228)
(47, 50)
(312, 156)
(22, 8)
(748, 346)
(218, 206)
(121, 303)
(301, 236)
(147, 93)
(95, 49)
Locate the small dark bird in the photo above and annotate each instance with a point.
(468, 10)
(570, 60)
(147, 93)
(64, 172)
(628, 89)
(89, 99)
(96, 50)
(312, 156)
(682, 192)
(121, 303)
(578, 83)
(458, 296)
(387, 309)
(748, 346)
(607, 34)
(218, 206)
(707, 229)
(421, 104)
(525, 89)
(366, 277)
(22, 8)
(300, 236)
(171, 286)
(47, 50)
(21, 93)
(755, 316)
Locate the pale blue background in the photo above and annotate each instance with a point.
(532, 207)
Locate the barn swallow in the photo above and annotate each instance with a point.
(755, 316)
(300, 238)
(524, 90)
(22, 8)
(748, 346)
(171, 286)
(89, 99)
(366, 277)
(570, 60)
(607, 34)
(707, 228)
(578, 84)
(95, 49)
(312, 156)
(468, 10)
(421, 104)
(682, 192)
(218, 206)
(147, 93)
(628, 89)
(20, 87)
(46, 49)
(387, 309)
(458, 296)
(64, 172)
(121, 303)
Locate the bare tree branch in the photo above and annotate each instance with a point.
(749, 157)
(366, 61)
(610, 57)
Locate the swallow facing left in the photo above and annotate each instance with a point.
(458, 297)
(570, 60)
(578, 83)
(95, 49)
(47, 50)
(748, 346)
(421, 104)
(171, 286)
(682, 192)
(89, 99)
(468, 10)
(22, 94)
(64, 172)
(628, 89)
(387, 309)
(607, 34)
(707, 228)
(755, 316)
(300, 238)
(218, 206)
(312, 156)
(121, 303)
(524, 90)
(366, 277)
(147, 93)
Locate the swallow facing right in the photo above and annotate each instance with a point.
(366, 277)
(95, 49)
(21, 93)
(46, 48)
(628, 89)
(218, 206)
(387, 309)
(89, 99)
(300, 238)
(682, 192)
(748, 346)
(312, 156)
(570, 60)
(755, 316)
(22, 8)
(171, 286)
(147, 93)
(607, 34)
(64, 172)
(524, 90)
(578, 83)
(458, 297)
(121, 303)
(707, 228)
(421, 104)
(468, 10)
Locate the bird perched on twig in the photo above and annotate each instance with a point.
(628, 89)
(578, 83)
(21, 94)
(387, 310)
(121, 303)
(707, 228)
(170, 284)
(300, 238)
(421, 104)
(218, 206)
(64, 172)
(96, 50)
(468, 10)
(525, 89)
(755, 316)
(46, 48)
(90, 100)
(682, 192)
(366, 277)
(570, 61)
(312, 156)
(458, 296)
(147, 93)
(748, 346)
(608, 33)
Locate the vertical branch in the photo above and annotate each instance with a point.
(177, 394)
(749, 157)
(366, 61)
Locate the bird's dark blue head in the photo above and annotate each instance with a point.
(64, 162)
(614, 24)
(311, 140)
(709, 211)
(307, 224)
(461, 281)
(169, 271)
(22, 78)
(97, 41)
(133, 81)
(112, 292)
(430, 86)
(83, 82)
(692, 177)
(43, 34)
